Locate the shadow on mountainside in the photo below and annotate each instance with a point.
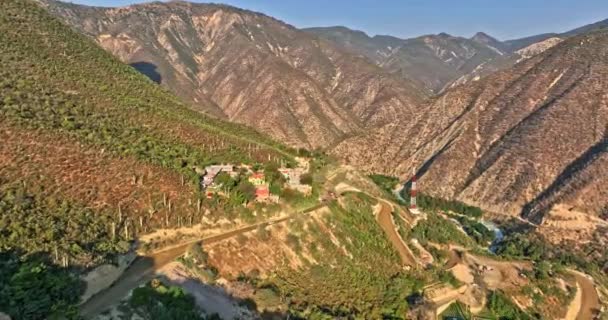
(217, 300)
(420, 172)
(149, 70)
(536, 209)
(33, 287)
(501, 145)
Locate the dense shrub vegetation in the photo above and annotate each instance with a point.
(88, 94)
(157, 301)
(501, 307)
(32, 288)
(70, 233)
(368, 282)
(56, 82)
(59, 81)
(386, 183)
(59, 85)
(476, 230)
(429, 203)
(591, 258)
(47, 233)
(438, 230)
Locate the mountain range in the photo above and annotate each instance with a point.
(437, 62)
(512, 126)
(250, 68)
(519, 141)
(128, 191)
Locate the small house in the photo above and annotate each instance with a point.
(262, 193)
(213, 170)
(257, 179)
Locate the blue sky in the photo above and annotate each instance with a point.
(504, 19)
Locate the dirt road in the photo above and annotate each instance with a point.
(385, 220)
(590, 299)
(143, 269)
(453, 259)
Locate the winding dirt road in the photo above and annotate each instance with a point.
(385, 220)
(143, 269)
(590, 299)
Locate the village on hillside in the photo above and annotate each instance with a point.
(265, 183)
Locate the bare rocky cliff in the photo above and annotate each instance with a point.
(249, 68)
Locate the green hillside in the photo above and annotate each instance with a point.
(92, 154)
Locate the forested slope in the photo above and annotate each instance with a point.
(92, 154)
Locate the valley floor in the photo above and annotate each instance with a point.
(475, 273)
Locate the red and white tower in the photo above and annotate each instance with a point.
(413, 191)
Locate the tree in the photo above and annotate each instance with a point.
(271, 171)
(257, 167)
(275, 188)
(32, 289)
(162, 302)
(225, 180)
(247, 189)
(306, 179)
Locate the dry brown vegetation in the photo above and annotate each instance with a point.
(60, 166)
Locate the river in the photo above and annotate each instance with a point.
(498, 234)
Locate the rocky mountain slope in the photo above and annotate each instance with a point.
(495, 142)
(431, 61)
(439, 62)
(505, 61)
(517, 142)
(521, 49)
(249, 68)
(518, 44)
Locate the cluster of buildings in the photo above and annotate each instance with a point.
(257, 179)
